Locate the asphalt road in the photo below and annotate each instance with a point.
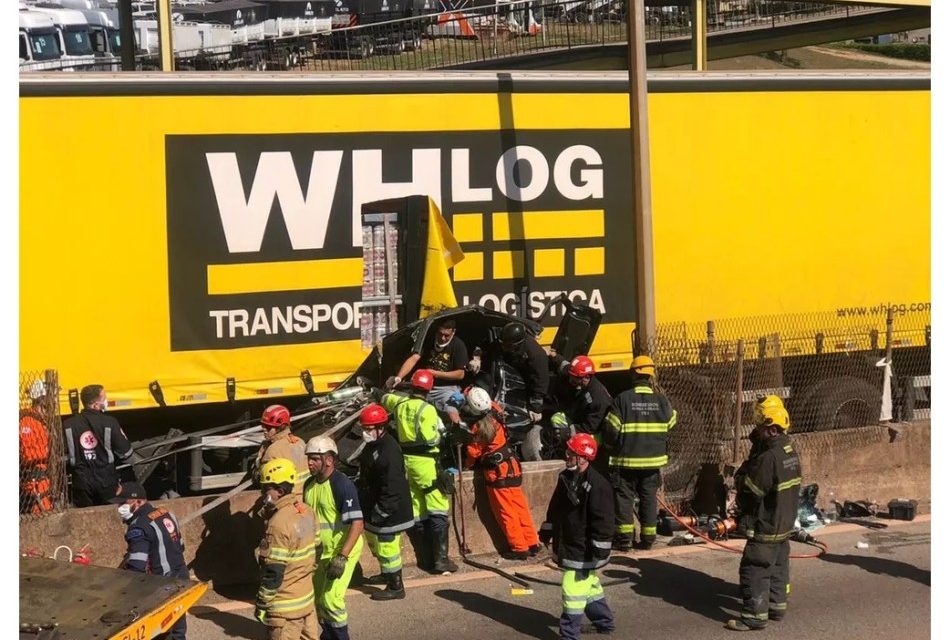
(879, 592)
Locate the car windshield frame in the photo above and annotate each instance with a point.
(49, 39)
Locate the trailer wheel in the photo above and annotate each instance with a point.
(366, 47)
(415, 43)
(841, 403)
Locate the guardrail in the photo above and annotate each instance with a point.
(452, 38)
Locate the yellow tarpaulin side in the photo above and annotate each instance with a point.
(442, 253)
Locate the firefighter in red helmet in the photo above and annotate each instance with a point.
(279, 442)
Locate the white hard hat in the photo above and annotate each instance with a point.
(477, 401)
(321, 444)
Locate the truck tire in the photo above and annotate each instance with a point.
(414, 43)
(366, 47)
(840, 403)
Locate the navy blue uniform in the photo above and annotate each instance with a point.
(155, 546)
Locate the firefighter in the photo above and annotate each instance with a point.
(154, 541)
(525, 355)
(488, 449)
(579, 527)
(35, 497)
(446, 356)
(335, 501)
(384, 494)
(586, 406)
(767, 486)
(279, 442)
(94, 442)
(287, 555)
(419, 431)
(635, 432)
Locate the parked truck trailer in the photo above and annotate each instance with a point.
(219, 257)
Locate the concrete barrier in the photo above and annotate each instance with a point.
(877, 463)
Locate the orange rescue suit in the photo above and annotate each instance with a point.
(502, 472)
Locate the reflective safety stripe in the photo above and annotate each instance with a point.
(396, 528)
(638, 463)
(642, 389)
(606, 544)
(139, 556)
(648, 531)
(777, 537)
(71, 446)
(162, 554)
(335, 616)
(755, 616)
(751, 486)
(788, 484)
(279, 554)
(292, 604)
(645, 427)
(352, 515)
(624, 528)
(578, 589)
(779, 606)
(613, 420)
(107, 443)
(578, 564)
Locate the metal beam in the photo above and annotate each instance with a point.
(640, 165)
(698, 23)
(165, 34)
(126, 35)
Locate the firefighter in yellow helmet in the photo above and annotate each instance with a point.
(767, 486)
(288, 555)
(635, 432)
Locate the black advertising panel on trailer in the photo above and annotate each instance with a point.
(300, 8)
(236, 13)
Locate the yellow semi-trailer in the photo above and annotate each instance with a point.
(210, 231)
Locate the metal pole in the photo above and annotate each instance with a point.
(494, 38)
(165, 35)
(699, 35)
(890, 334)
(640, 159)
(740, 355)
(126, 35)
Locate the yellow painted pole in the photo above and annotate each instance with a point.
(640, 159)
(699, 35)
(166, 49)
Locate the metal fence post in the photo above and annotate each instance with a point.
(740, 356)
(56, 467)
(889, 338)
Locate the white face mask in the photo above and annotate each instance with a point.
(369, 436)
(442, 345)
(125, 512)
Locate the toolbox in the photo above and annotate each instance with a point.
(902, 509)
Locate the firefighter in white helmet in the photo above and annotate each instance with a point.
(335, 500)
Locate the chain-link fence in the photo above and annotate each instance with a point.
(471, 33)
(836, 372)
(43, 486)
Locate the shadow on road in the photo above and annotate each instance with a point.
(530, 622)
(884, 566)
(695, 591)
(232, 624)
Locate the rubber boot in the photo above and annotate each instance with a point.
(394, 589)
(378, 580)
(440, 544)
(622, 542)
(420, 538)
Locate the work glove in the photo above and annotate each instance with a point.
(336, 567)
(260, 614)
(392, 381)
(535, 417)
(475, 364)
(456, 399)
